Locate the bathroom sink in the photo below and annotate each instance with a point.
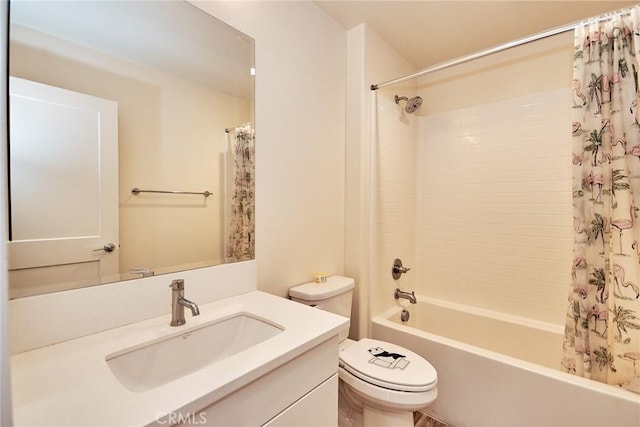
(154, 363)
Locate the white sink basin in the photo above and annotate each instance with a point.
(154, 363)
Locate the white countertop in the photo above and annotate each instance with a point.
(70, 383)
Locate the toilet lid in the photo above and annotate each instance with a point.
(388, 365)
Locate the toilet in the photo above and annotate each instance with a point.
(381, 384)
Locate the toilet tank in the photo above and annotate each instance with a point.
(333, 296)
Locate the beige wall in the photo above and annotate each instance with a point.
(415, 155)
(171, 137)
(311, 186)
(494, 210)
(372, 243)
(494, 216)
(535, 67)
(300, 138)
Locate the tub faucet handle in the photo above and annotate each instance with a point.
(397, 270)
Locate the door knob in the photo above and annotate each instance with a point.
(109, 247)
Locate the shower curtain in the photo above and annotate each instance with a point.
(602, 333)
(241, 231)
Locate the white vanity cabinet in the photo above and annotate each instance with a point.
(288, 379)
(303, 391)
(319, 408)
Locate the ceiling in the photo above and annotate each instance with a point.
(427, 32)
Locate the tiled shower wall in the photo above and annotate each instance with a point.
(393, 201)
(493, 216)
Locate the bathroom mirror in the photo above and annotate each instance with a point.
(110, 96)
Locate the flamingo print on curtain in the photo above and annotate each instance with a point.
(602, 333)
(241, 238)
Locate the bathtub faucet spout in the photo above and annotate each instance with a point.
(397, 294)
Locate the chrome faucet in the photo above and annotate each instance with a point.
(179, 302)
(397, 294)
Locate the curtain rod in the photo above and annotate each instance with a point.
(499, 48)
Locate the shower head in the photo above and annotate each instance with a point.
(412, 104)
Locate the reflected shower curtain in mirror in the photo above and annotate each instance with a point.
(602, 333)
(241, 231)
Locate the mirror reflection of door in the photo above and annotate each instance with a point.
(64, 188)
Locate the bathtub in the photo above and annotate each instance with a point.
(500, 370)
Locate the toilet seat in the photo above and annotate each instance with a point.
(389, 366)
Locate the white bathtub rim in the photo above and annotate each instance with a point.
(620, 393)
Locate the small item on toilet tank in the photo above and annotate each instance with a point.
(321, 277)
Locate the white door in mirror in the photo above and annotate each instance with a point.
(64, 183)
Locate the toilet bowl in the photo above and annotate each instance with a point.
(381, 384)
